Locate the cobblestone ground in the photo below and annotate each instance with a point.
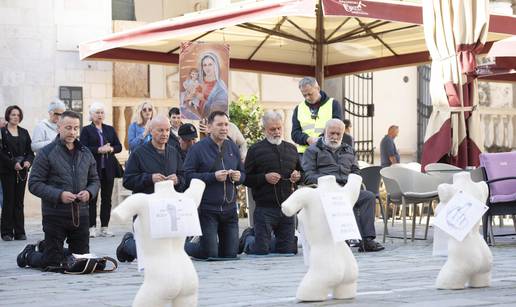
(402, 275)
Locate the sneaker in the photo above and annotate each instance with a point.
(370, 245)
(241, 242)
(93, 232)
(121, 255)
(21, 260)
(104, 232)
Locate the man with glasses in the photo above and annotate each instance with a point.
(272, 171)
(311, 115)
(46, 130)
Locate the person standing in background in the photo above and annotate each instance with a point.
(16, 158)
(138, 130)
(103, 143)
(310, 116)
(175, 120)
(388, 152)
(347, 138)
(46, 131)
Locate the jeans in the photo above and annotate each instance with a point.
(106, 191)
(57, 229)
(267, 221)
(219, 235)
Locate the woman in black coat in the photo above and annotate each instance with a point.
(16, 157)
(103, 143)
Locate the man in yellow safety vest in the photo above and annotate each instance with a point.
(311, 115)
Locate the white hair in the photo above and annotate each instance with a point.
(96, 106)
(158, 119)
(271, 115)
(334, 122)
(56, 104)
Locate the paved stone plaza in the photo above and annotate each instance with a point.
(402, 275)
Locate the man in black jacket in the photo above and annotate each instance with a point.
(272, 167)
(152, 162)
(64, 176)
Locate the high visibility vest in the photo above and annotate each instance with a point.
(313, 127)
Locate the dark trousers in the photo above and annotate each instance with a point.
(106, 190)
(364, 214)
(221, 225)
(57, 229)
(266, 222)
(12, 221)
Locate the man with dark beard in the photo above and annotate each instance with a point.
(329, 156)
(273, 170)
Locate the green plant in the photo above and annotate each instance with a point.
(247, 114)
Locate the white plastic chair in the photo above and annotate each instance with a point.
(408, 187)
(411, 165)
(443, 171)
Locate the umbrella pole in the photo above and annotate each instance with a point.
(319, 44)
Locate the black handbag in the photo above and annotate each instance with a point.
(77, 265)
(119, 169)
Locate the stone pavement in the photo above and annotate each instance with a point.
(402, 275)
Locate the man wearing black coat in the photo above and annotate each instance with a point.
(272, 167)
(64, 176)
(152, 162)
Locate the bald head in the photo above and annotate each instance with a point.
(159, 128)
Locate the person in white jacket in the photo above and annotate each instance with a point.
(46, 130)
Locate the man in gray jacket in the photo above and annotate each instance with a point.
(64, 176)
(329, 156)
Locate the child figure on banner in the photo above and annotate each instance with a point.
(328, 220)
(192, 86)
(458, 220)
(160, 242)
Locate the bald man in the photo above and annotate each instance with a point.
(154, 161)
(330, 156)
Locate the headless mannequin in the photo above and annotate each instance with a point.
(332, 266)
(469, 261)
(170, 276)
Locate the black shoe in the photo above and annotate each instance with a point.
(20, 237)
(121, 255)
(21, 260)
(7, 237)
(241, 243)
(370, 245)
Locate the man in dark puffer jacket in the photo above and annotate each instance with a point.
(273, 169)
(64, 176)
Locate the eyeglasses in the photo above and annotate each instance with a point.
(147, 109)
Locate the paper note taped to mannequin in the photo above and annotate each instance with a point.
(171, 218)
(340, 217)
(460, 215)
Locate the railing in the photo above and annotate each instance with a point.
(499, 128)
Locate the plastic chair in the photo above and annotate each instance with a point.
(408, 187)
(411, 165)
(371, 180)
(500, 176)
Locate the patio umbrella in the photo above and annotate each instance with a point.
(320, 38)
(455, 32)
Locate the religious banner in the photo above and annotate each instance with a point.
(203, 79)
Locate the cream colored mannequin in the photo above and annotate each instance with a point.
(170, 276)
(470, 261)
(332, 266)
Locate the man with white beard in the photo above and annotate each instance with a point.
(329, 156)
(273, 169)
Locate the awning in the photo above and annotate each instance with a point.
(290, 36)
